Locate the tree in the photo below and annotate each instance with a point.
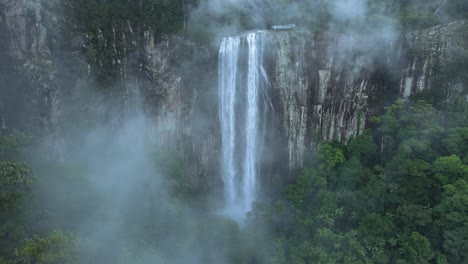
(414, 248)
(452, 221)
(57, 248)
(449, 169)
(457, 142)
(15, 186)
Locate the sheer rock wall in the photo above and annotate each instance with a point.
(323, 87)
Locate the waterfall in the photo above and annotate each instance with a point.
(242, 109)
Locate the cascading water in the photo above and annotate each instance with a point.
(243, 106)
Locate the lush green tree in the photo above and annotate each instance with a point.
(452, 221)
(56, 248)
(413, 248)
(402, 204)
(15, 186)
(449, 169)
(457, 142)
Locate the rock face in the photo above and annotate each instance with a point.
(320, 85)
(182, 109)
(326, 87)
(48, 90)
(323, 87)
(27, 70)
(435, 56)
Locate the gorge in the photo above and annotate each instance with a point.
(153, 138)
(323, 86)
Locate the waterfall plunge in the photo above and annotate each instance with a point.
(243, 105)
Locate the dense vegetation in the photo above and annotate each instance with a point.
(394, 194)
(18, 242)
(398, 193)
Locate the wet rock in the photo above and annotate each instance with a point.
(322, 87)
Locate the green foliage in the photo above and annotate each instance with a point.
(16, 207)
(56, 248)
(448, 169)
(15, 187)
(396, 194)
(414, 248)
(452, 220)
(403, 204)
(15, 181)
(329, 156)
(457, 142)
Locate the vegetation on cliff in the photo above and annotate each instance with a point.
(115, 29)
(397, 193)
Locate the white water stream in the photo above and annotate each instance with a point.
(242, 83)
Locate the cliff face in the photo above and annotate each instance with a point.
(48, 90)
(178, 85)
(436, 55)
(323, 87)
(326, 87)
(27, 70)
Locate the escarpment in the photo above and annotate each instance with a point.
(322, 86)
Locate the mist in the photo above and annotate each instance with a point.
(124, 120)
(225, 18)
(122, 193)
